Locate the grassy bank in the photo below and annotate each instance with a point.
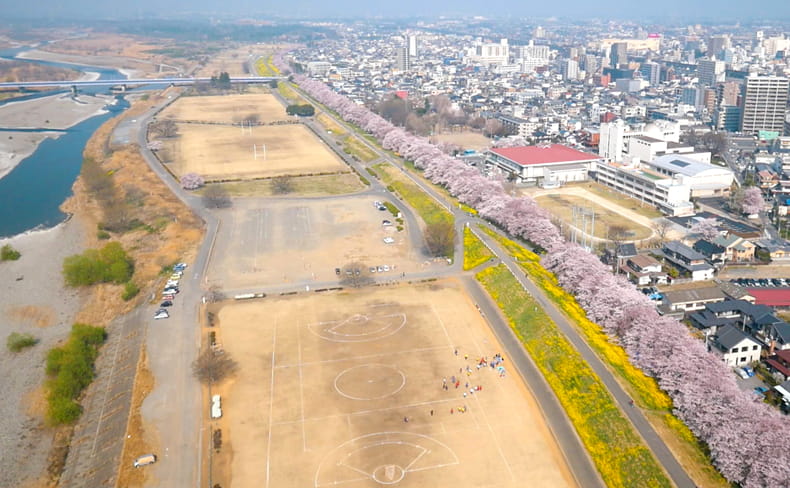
(426, 207)
(642, 388)
(70, 371)
(617, 451)
(475, 252)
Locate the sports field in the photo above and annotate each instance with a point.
(223, 152)
(230, 109)
(346, 390)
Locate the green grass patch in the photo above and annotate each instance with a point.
(356, 148)
(618, 452)
(312, 186)
(475, 252)
(130, 290)
(287, 92)
(426, 207)
(70, 371)
(8, 253)
(16, 341)
(109, 264)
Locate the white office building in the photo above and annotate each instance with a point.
(488, 53)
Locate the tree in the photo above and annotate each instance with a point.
(752, 201)
(707, 229)
(303, 110)
(440, 238)
(662, 227)
(282, 184)
(164, 128)
(215, 196)
(214, 294)
(356, 274)
(210, 367)
(192, 181)
(493, 128)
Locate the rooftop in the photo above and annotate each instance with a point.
(773, 297)
(679, 164)
(548, 154)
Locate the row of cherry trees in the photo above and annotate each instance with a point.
(748, 441)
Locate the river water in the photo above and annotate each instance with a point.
(31, 194)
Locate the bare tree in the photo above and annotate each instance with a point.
(210, 367)
(440, 238)
(356, 275)
(216, 197)
(662, 227)
(282, 184)
(214, 294)
(164, 128)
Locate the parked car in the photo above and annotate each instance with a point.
(388, 240)
(166, 303)
(180, 267)
(386, 223)
(337, 271)
(145, 460)
(372, 269)
(386, 267)
(749, 371)
(743, 374)
(170, 291)
(760, 390)
(161, 314)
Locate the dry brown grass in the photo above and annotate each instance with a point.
(465, 139)
(222, 152)
(230, 109)
(136, 442)
(39, 316)
(101, 44)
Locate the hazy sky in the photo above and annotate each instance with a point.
(693, 10)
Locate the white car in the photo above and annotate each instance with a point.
(388, 240)
(161, 314)
(386, 267)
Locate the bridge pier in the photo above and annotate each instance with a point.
(74, 90)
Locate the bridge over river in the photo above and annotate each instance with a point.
(75, 84)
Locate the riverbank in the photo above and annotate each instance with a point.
(135, 67)
(56, 112)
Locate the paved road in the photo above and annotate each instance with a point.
(174, 407)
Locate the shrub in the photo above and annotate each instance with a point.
(130, 290)
(70, 370)
(109, 264)
(16, 341)
(8, 253)
(102, 235)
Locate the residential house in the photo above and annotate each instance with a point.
(737, 249)
(778, 250)
(716, 254)
(735, 346)
(784, 390)
(691, 300)
(688, 260)
(780, 363)
(777, 336)
(644, 270)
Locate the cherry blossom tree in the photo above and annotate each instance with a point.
(707, 229)
(192, 181)
(752, 201)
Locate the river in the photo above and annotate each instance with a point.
(31, 194)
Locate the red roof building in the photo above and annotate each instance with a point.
(772, 297)
(544, 163)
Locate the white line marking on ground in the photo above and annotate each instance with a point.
(271, 406)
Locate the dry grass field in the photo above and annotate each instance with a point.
(229, 109)
(561, 205)
(224, 152)
(347, 390)
(466, 140)
(232, 61)
(302, 240)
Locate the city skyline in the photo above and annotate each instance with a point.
(672, 10)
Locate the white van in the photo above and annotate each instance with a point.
(145, 460)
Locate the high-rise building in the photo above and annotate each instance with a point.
(728, 93)
(590, 63)
(612, 140)
(710, 71)
(727, 118)
(716, 45)
(569, 69)
(402, 61)
(540, 32)
(692, 96)
(765, 104)
(618, 54)
(651, 72)
(412, 40)
(489, 53)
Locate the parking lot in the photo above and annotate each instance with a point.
(283, 241)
